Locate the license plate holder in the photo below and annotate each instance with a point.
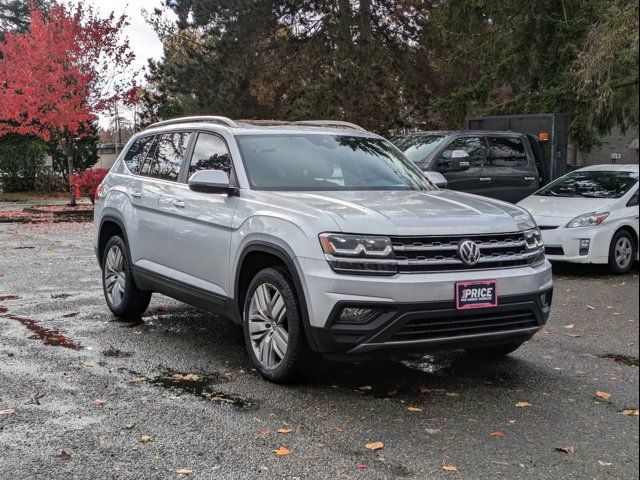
(476, 294)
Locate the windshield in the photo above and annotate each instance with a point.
(591, 184)
(418, 147)
(327, 162)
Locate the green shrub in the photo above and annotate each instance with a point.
(21, 162)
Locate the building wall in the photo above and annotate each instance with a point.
(107, 155)
(615, 143)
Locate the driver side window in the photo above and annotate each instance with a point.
(474, 146)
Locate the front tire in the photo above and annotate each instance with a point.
(273, 329)
(495, 352)
(622, 253)
(121, 293)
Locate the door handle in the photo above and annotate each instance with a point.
(485, 179)
(529, 179)
(136, 194)
(178, 203)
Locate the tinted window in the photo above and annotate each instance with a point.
(417, 147)
(474, 146)
(210, 153)
(136, 154)
(506, 152)
(165, 161)
(327, 162)
(592, 184)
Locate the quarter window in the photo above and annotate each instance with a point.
(137, 153)
(165, 162)
(474, 146)
(210, 153)
(506, 152)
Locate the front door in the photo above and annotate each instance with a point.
(474, 179)
(512, 170)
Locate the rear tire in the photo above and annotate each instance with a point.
(273, 329)
(497, 351)
(622, 253)
(121, 293)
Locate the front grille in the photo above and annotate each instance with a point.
(467, 324)
(429, 254)
(547, 227)
(554, 250)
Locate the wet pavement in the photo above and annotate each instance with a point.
(172, 394)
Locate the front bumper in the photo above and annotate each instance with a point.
(563, 244)
(407, 297)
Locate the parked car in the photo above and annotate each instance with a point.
(318, 238)
(503, 165)
(590, 216)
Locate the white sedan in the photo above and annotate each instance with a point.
(590, 216)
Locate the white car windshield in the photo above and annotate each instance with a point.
(591, 184)
(327, 162)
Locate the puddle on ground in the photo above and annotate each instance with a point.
(48, 336)
(431, 364)
(625, 359)
(116, 353)
(5, 298)
(201, 385)
(61, 296)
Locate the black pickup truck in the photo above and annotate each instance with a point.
(504, 165)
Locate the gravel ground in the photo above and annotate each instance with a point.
(85, 396)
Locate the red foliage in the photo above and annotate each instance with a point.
(86, 183)
(57, 76)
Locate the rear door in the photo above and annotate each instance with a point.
(474, 180)
(511, 167)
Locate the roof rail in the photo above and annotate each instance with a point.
(331, 123)
(203, 118)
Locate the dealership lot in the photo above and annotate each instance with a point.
(84, 396)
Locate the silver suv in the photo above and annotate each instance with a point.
(319, 238)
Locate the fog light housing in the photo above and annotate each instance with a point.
(545, 298)
(356, 315)
(585, 243)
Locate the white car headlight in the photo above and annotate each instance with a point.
(588, 220)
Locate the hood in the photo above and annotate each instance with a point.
(412, 212)
(556, 211)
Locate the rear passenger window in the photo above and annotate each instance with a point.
(137, 153)
(506, 152)
(165, 162)
(474, 146)
(210, 153)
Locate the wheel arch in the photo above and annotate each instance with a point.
(109, 225)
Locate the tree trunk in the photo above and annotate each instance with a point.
(365, 21)
(72, 197)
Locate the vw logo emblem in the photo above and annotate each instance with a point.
(469, 252)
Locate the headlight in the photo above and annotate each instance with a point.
(533, 238)
(340, 245)
(588, 220)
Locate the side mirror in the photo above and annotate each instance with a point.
(458, 162)
(437, 179)
(211, 181)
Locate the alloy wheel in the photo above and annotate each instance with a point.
(268, 328)
(623, 252)
(114, 276)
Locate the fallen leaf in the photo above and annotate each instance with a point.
(392, 393)
(604, 464)
(64, 456)
(414, 409)
(432, 431)
(631, 413)
(129, 426)
(265, 432)
(604, 395)
(570, 326)
(282, 451)
(365, 388)
(284, 430)
(449, 468)
(591, 307)
(567, 450)
(362, 466)
(184, 471)
(7, 411)
(145, 438)
(497, 434)
(523, 405)
(574, 335)
(97, 401)
(374, 446)
(138, 379)
(189, 377)
(422, 389)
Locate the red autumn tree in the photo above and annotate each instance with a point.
(57, 76)
(87, 182)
